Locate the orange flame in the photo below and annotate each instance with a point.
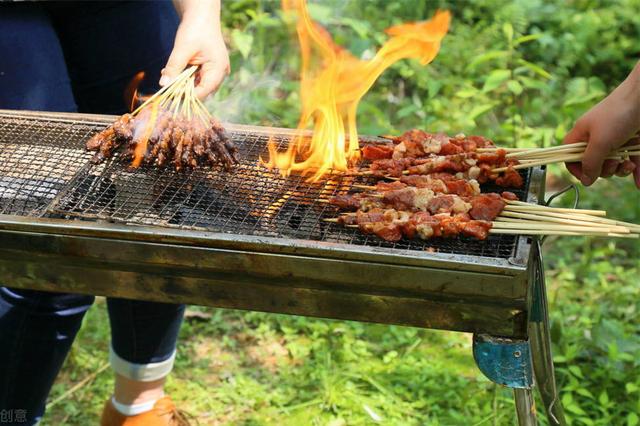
(131, 97)
(332, 83)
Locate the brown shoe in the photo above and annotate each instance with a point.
(163, 413)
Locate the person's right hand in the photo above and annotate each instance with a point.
(199, 42)
(605, 127)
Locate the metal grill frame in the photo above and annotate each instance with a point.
(434, 290)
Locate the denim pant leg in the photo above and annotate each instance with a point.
(48, 49)
(36, 331)
(36, 328)
(105, 44)
(143, 337)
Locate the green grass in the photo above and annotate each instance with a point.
(241, 368)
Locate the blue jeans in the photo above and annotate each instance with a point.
(78, 56)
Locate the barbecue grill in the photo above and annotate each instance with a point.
(252, 239)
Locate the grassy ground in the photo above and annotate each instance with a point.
(518, 70)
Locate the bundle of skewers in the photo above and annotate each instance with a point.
(429, 186)
(533, 157)
(418, 153)
(171, 128)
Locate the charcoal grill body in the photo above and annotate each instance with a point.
(67, 227)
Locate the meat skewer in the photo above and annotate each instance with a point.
(443, 184)
(171, 128)
(393, 210)
(412, 199)
(392, 225)
(467, 165)
(417, 144)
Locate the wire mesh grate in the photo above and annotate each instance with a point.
(37, 160)
(48, 174)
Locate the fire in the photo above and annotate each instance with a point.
(332, 83)
(131, 96)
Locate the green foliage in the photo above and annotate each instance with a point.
(520, 71)
(517, 71)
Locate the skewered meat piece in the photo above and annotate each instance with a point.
(409, 198)
(354, 202)
(447, 184)
(510, 179)
(377, 151)
(486, 206)
(390, 167)
(160, 138)
(448, 204)
(392, 225)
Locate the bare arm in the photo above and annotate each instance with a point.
(199, 42)
(605, 127)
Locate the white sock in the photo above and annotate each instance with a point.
(133, 409)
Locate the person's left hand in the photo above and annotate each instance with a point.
(199, 42)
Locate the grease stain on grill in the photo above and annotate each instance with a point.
(45, 172)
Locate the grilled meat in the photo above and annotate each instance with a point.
(183, 143)
(392, 225)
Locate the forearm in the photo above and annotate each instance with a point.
(634, 78)
(198, 9)
(199, 41)
(631, 86)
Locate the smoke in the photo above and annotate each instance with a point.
(245, 97)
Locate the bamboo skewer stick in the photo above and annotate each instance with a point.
(365, 187)
(534, 210)
(547, 232)
(554, 149)
(537, 229)
(168, 88)
(535, 152)
(515, 203)
(559, 159)
(568, 219)
(574, 214)
(555, 218)
(578, 155)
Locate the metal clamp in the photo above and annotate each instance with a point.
(504, 361)
(563, 191)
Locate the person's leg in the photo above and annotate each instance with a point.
(36, 332)
(143, 346)
(36, 328)
(105, 45)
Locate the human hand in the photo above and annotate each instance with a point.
(199, 42)
(605, 127)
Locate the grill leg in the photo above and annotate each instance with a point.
(525, 407)
(540, 339)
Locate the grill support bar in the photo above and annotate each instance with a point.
(265, 281)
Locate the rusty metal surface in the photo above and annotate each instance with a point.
(271, 282)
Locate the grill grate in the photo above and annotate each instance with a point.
(45, 172)
(37, 160)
